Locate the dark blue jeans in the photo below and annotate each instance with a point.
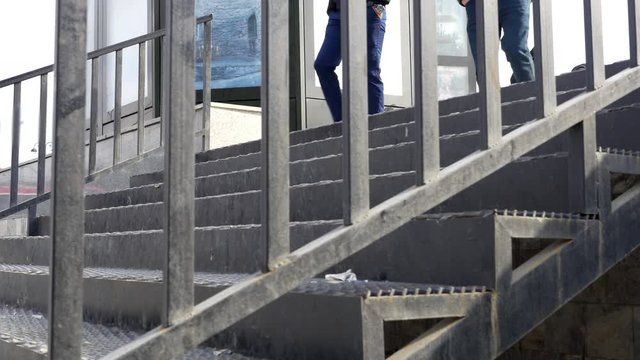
(330, 56)
(513, 18)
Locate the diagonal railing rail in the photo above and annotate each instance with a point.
(95, 58)
(185, 326)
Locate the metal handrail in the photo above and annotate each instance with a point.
(96, 53)
(185, 325)
(94, 57)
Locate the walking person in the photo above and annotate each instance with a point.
(513, 19)
(330, 56)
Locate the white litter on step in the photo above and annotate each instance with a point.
(346, 276)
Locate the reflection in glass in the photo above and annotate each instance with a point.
(235, 42)
(452, 33)
(452, 81)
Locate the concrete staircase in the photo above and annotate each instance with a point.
(463, 281)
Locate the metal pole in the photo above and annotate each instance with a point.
(426, 91)
(142, 69)
(583, 196)
(93, 124)
(42, 148)
(594, 47)
(179, 169)
(634, 32)
(275, 130)
(545, 73)
(206, 88)
(355, 118)
(67, 203)
(117, 111)
(488, 72)
(15, 145)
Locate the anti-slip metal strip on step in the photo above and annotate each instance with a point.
(360, 288)
(507, 212)
(28, 329)
(613, 151)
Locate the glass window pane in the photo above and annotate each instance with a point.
(452, 81)
(452, 28)
(235, 42)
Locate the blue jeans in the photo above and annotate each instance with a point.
(330, 56)
(513, 18)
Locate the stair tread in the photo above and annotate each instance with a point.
(28, 329)
(316, 286)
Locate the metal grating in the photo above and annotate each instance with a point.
(28, 329)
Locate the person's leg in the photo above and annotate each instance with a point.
(514, 19)
(471, 30)
(376, 27)
(328, 59)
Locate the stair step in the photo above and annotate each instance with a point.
(569, 85)
(23, 335)
(132, 299)
(381, 120)
(615, 129)
(322, 200)
(219, 249)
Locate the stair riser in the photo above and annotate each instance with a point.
(377, 121)
(569, 85)
(400, 158)
(510, 187)
(332, 146)
(138, 305)
(615, 129)
(227, 250)
(513, 113)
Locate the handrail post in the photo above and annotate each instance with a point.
(142, 72)
(593, 44)
(488, 73)
(15, 145)
(355, 119)
(206, 88)
(93, 120)
(67, 203)
(179, 163)
(634, 32)
(42, 150)
(275, 130)
(426, 91)
(545, 72)
(117, 111)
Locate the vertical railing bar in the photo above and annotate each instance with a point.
(275, 131)
(42, 147)
(158, 87)
(179, 170)
(634, 32)
(15, 145)
(583, 197)
(206, 88)
(142, 69)
(545, 72)
(355, 120)
(42, 134)
(67, 199)
(93, 124)
(488, 73)
(117, 110)
(593, 41)
(426, 91)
